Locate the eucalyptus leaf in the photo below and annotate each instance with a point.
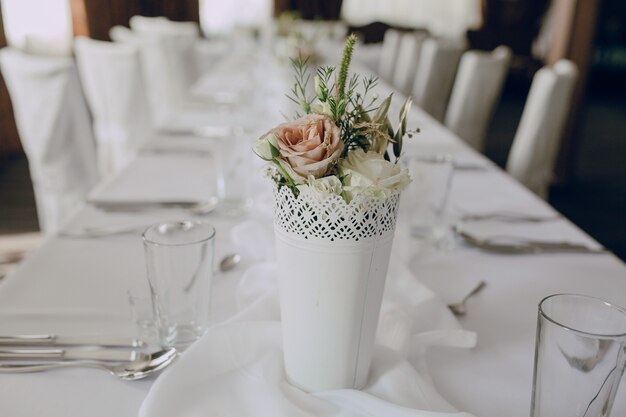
(397, 144)
(383, 109)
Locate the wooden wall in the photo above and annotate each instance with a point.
(101, 15)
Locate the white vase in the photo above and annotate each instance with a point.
(332, 262)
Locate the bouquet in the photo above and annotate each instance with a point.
(338, 183)
(343, 142)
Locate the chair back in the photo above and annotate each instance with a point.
(119, 33)
(389, 54)
(409, 49)
(55, 129)
(114, 86)
(436, 69)
(476, 91)
(536, 143)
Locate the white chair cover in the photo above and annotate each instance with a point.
(119, 33)
(113, 82)
(389, 54)
(538, 136)
(179, 40)
(55, 130)
(409, 49)
(437, 66)
(476, 91)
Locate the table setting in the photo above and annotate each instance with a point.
(357, 259)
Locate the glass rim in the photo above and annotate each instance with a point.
(582, 332)
(210, 236)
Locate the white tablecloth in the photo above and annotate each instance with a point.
(72, 286)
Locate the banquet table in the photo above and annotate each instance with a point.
(75, 286)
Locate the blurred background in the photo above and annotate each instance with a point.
(589, 184)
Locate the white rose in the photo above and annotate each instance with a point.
(321, 188)
(371, 175)
(266, 147)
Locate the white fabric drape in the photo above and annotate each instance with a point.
(114, 87)
(55, 130)
(409, 52)
(437, 66)
(476, 91)
(535, 147)
(389, 54)
(449, 18)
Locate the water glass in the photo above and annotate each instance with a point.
(142, 312)
(179, 259)
(579, 356)
(233, 179)
(428, 193)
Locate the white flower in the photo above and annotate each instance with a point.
(266, 147)
(321, 188)
(322, 108)
(370, 174)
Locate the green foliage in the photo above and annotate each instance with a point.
(351, 105)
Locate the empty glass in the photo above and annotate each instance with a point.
(179, 259)
(579, 356)
(233, 180)
(429, 190)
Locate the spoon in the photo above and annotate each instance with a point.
(458, 309)
(129, 371)
(229, 262)
(193, 207)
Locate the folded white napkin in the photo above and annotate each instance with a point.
(146, 180)
(237, 367)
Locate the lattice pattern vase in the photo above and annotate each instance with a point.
(332, 262)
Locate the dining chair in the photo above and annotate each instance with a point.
(179, 40)
(409, 49)
(119, 33)
(535, 146)
(55, 129)
(114, 87)
(477, 88)
(436, 68)
(389, 54)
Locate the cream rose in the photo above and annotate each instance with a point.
(371, 175)
(311, 144)
(321, 188)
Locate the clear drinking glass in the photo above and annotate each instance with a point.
(233, 181)
(429, 190)
(179, 259)
(579, 356)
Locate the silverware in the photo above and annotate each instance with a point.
(459, 309)
(229, 262)
(54, 340)
(165, 150)
(132, 370)
(194, 207)
(72, 354)
(104, 231)
(509, 217)
(515, 245)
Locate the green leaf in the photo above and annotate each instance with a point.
(397, 144)
(381, 113)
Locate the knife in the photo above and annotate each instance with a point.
(142, 205)
(53, 340)
(72, 354)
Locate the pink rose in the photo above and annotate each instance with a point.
(311, 144)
